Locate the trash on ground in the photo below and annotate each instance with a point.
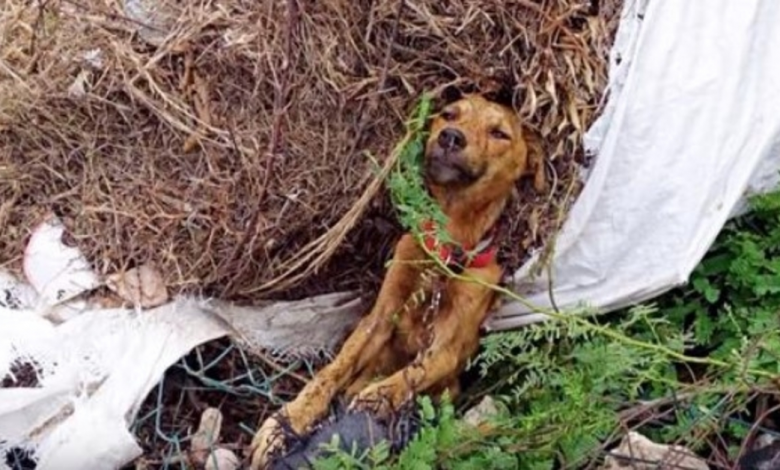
(142, 286)
(481, 412)
(71, 378)
(640, 453)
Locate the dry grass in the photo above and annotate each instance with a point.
(236, 142)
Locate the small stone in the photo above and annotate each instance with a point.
(765, 440)
(640, 453)
(142, 286)
(207, 436)
(222, 459)
(482, 412)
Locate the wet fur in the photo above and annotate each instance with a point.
(393, 354)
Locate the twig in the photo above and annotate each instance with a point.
(749, 438)
(280, 100)
(550, 251)
(374, 103)
(323, 247)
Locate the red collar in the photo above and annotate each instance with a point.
(457, 256)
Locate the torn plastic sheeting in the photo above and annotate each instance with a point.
(690, 128)
(301, 328)
(57, 272)
(92, 368)
(95, 370)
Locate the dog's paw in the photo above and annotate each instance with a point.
(373, 399)
(268, 442)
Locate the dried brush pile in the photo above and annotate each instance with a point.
(235, 143)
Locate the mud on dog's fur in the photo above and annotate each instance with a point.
(476, 152)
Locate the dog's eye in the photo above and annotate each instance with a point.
(497, 133)
(448, 115)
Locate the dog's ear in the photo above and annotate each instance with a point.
(501, 94)
(450, 94)
(536, 160)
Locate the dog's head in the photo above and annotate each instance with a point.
(477, 142)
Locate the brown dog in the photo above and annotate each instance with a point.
(476, 152)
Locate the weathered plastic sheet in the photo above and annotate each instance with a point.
(691, 127)
(88, 369)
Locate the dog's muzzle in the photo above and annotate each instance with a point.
(445, 163)
(445, 169)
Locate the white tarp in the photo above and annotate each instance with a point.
(691, 126)
(93, 366)
(95, 370)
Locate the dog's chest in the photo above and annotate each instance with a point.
(415, 323)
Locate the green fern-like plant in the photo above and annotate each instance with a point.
(733, 299)
(412, 202)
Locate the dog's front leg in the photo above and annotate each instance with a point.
(360, 348)
(455, 340)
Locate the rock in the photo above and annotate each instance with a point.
(480, 413)
(765, 456)
(222, 459)
(765, 440)
(206, 437)
(636, 452)
(142, 286)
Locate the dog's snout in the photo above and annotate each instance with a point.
(450, 138)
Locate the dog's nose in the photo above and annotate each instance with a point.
(452, 139)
